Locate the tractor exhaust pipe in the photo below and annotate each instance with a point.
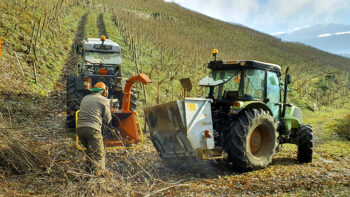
(287, 80)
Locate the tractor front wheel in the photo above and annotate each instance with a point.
(305, 144)
(251, 139)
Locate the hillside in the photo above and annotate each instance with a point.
(187, 38)
(167, 42)
(160, 35)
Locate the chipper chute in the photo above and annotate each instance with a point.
(124, 128)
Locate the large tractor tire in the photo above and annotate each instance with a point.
(251, 139)
(73, 101)
(305, 144)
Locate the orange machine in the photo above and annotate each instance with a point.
(124, 122)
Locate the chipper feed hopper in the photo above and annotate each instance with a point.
(182, 129)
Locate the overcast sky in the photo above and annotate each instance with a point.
(272, 16)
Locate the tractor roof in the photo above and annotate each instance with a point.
(243, 64)
(95, 44)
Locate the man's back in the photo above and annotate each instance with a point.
(93, 108)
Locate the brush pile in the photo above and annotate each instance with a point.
(19, 155)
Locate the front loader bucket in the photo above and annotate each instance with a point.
(177, 128)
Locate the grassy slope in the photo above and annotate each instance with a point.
(170, 40)
(52, 47)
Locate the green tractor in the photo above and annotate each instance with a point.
(243, 118)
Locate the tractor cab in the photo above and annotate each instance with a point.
(234, 81)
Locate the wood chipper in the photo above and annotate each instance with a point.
(125, 127)
(243, 118)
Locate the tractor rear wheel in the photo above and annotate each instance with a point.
(305, 144)
(251, 139)
(73, 101)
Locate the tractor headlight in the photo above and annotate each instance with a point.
(237, 104)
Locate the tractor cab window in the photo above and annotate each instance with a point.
(218, 77)
(253, 85)
(230, 89)
(102, 58)
(222, 84)
(273, 92)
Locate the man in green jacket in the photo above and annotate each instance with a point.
(94, 110)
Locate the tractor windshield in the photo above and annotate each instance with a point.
(218, 77)
(222, 84)
(103, 58)
(235, 84)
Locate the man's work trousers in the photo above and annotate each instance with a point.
(93, 141)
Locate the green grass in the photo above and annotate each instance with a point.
(91, 29)
(326, 138)
(52, 46)
(128, 66)
(336, 148)
(342, 126)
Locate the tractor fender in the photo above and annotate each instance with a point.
(293, 117)
(251, 105)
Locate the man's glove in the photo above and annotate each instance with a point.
(113, 110)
